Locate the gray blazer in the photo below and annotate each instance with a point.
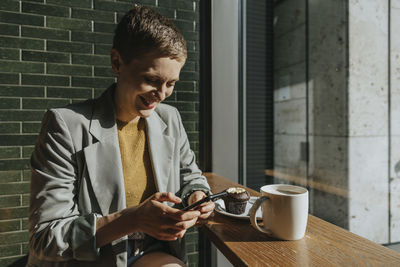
(77, 176)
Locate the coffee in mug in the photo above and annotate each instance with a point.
(284, 211)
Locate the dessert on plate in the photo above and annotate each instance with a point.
(236, 200)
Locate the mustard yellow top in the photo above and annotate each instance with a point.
(136, 164)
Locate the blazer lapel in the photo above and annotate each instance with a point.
(161, 150)
(103, 158)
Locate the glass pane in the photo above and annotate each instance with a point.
(335, 116)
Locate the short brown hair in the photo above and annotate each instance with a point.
(142, 30)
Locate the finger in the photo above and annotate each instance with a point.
(176, 214)
(184, 215)
(186, 224)
(205, 216)
(196, 196)
(167, 196)
(209, 206)
(171, 234)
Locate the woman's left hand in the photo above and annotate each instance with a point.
(206, 208)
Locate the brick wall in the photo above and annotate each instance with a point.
(55, 52)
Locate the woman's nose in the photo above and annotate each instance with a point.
(162, 91)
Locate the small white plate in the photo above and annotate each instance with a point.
(220, 208)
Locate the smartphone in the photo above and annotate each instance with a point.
(206, 199)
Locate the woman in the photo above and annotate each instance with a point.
(109, 174)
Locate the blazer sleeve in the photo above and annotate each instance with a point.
(190, 175)
(58, 232)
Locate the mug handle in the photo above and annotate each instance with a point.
(253, 212)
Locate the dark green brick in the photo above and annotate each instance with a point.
(98, 92)
(14, 188)
(189, 66)
(6, 53)
(29, 103)
(10, 176)
(195, 147)
(69, 92)
(11, 90)
(16, 140)
(140, 2)
(71, 3)
(186, 106)
(25, 246)
(192, 248)
(13, 238)
(8, 78)
(193, 137)
(189, 126)
(187, 15)
(25, 202)
(9, 152)
(27, 67)
(8, 226)
(94, 15)
(24, 43)
(10, 201)
(191, 36)
(13, 164)
(193, 56)
(191, 45)
(184, 25)
(31, 127)
(91, 60)
(70, 24)
(104, 27)
(10, 250)
(191, 237)
(9, 5)
(31, 79)
(102, 49)
(27, 151)
(26, 175)
(48, 10)
(9, 103)
(45, 56)
(19, 115)
(189, 116)
(187, 96)
(92, 82)
(114, 6)
(185, 86)
(13, 213)
(69, 69)
(189, 75)
(44, 33)
(9, 127)
(178, 4)
(23, 19)
(69, 47)
(13, 261)
(9, 29)
(92, 37)
(103, 71)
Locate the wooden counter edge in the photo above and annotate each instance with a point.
(219, 183)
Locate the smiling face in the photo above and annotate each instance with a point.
(143, 84)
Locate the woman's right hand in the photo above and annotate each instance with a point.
(161, 221)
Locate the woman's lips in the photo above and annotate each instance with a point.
(147, 104)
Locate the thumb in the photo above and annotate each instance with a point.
(167, 196)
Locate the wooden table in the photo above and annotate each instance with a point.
(323, 245)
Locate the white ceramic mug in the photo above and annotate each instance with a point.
(284, 211)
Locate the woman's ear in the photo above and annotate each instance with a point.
(116, 61)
